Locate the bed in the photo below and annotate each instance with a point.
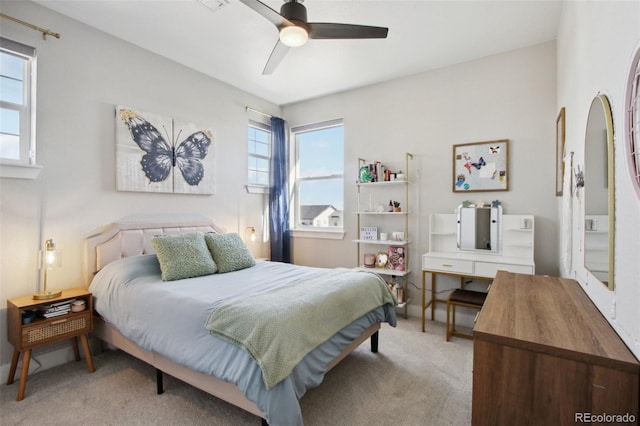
(171, 324)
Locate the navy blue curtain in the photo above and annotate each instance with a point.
(279, 194)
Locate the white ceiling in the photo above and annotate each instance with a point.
(233, 43)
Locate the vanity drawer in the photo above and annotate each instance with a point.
(448, 265)
(488, 269)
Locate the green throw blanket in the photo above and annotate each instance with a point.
(278, 328)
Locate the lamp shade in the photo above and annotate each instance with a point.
(250, 233)
(49, 259)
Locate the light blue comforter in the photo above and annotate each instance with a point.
(168, 318)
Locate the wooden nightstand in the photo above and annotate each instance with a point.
(43, 331)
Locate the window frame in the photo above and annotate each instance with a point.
(256, 188)
(25, 167)
(309, 231)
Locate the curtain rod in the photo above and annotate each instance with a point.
(44, 32)
(257, 112)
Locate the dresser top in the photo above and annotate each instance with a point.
(550, 315)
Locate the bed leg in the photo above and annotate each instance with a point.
(374, 342)
(159, 386)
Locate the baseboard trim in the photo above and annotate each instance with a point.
(40, 362)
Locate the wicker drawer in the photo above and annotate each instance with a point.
(53, 329)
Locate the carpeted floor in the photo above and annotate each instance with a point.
(415, 379)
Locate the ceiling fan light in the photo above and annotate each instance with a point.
(293, 36)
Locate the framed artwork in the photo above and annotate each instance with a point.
(155, 153)
(560, 135)
(481, 166)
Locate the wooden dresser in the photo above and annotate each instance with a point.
(544, 354)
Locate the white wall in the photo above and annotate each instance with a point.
(596, 41)
(81, 77)
(505, 96)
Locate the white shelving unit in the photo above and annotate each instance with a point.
(386, 222)
(596, 246)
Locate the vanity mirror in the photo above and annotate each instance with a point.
(599, 192)
(478, 228)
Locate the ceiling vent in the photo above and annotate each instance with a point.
(214, 5)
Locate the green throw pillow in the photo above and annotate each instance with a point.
(183, 256)
(229, 252)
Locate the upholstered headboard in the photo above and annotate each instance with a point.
(131, 236)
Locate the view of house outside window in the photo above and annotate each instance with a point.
(319, 179)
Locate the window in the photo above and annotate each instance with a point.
(319, 176)
(259, 156)
(17, 105)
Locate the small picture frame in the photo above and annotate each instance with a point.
(560, 139)
(481, 166)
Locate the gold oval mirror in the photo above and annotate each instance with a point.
(599, 192)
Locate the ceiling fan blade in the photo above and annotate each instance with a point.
(274, 17)
(345, 31)
(277, 55)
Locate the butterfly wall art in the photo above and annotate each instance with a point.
(481, 166)
(155, 153)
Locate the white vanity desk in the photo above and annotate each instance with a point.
(513, 237)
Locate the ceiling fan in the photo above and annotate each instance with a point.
(295, 30)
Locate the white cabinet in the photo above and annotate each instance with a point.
(515, 242)
(384, 233)
(514, 254)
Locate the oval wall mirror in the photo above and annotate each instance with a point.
(599, 192)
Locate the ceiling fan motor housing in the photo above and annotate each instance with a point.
(295, 12)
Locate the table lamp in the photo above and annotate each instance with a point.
(49, 258)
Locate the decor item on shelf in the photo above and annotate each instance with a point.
(398, 236)
(78, 305)
(496, 203)
(369, 233)
(396, 206)
(525, 223)
(369, 260)
(28, 316)
(396, 258)
(365, 174)
(49, 258)
(390, 208)
(382, 259)
(399, 176)
(481, 166)
(383, 236)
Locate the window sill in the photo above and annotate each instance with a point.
(257, 189)
(320, 234)
(19, 171)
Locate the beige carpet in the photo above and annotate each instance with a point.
(415, 379)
